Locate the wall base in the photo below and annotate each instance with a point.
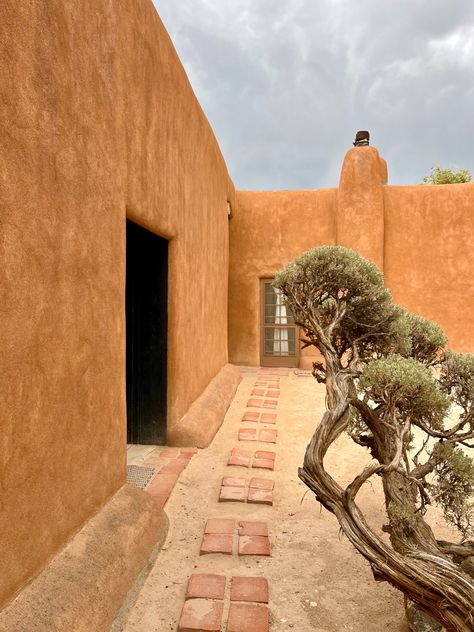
(84, 587)
(205, 415)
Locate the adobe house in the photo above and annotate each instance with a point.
(133, 284)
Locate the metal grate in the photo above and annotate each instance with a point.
(139, 475)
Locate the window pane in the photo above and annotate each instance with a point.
(275, 310)
(280, 341)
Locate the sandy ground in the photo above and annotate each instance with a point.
(318, 582)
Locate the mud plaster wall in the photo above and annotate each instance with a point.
(268, 230)
(97, 121)
(422, 237)
(429, 255)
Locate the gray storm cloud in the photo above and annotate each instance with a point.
(285, 85)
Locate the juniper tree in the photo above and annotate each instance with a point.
(438, 175)
(388, 379)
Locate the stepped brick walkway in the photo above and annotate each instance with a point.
(248, 549)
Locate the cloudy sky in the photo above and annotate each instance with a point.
(286, 84)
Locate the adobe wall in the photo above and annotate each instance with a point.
(429, 255)
(422, 237)
(267, 230)
(98, 120)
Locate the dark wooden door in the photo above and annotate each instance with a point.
(147, 325)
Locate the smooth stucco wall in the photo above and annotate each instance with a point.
(359, 217)
(267, 230)
(429, 255)
(98, 120)
(422, 238)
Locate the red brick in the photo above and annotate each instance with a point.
(259, 392)
(268, 418)
(268, 435)
(265, 454)
(254, 403)
(170, 453)
(201, 615)
(232, 481)
(248, 617)
(161, 483)
(164, 491)
(262, 483)
(263, 464)
(233, 494)
(160, 498)
(207, 586)
(249, 416)
(243, 461)
(249, 589)
(247, 434)
(216, 543)
(184, 458)
(175, 467)
(189, 450)
(241, 452)
(273, 393)
(253, 527)
(254, 545)
(260, 497)
(220, 525)
(269, 403)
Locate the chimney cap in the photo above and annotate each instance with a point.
(362, 138)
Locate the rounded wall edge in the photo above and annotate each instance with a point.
(84, 592)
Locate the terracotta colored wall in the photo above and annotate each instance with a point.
(360, 203)
(96, 117)
(268, 229)
(422, 237)
(429, 255)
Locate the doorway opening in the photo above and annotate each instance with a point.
(278, 333)
(146, 307)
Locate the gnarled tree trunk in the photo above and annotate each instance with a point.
(415, 565)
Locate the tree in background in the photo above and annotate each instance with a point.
(447, 176)
(382, 390)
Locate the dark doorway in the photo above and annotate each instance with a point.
(147, 323)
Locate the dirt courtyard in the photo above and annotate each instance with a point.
(317, 581)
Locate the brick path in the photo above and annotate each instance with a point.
(215, 602)
(314, 578)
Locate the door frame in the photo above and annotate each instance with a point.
(276, 361)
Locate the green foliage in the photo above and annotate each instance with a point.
(387, 354)
(447, 176)
(405, 387)
(454, 486)
(336, 290)
(457, 378)
(427, 339)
